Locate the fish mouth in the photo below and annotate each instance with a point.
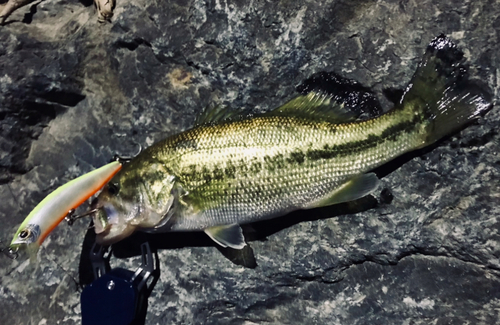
(108, 225)
(100, 217)
(104, 217)
(101, 223)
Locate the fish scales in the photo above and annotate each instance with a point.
(307, 153)
(243, 170)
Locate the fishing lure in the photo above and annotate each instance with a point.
(56, 206)
(310, 152)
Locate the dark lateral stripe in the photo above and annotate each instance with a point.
(279, 161)
(296, 157)
(404, 127)
(275, 162)
(230, 170)
(336, 151)
(218, 173)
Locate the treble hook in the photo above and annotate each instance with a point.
(125, 159)
(71, 218)
(10, 252)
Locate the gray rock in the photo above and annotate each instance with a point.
(74, 92)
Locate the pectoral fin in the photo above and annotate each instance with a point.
(227, 235)
(354, 189)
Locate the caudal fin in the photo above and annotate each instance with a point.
(441, 90)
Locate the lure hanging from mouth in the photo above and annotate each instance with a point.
(310, 152)
(56, 206)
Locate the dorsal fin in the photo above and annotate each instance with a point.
(315, 106)
(219, 113)
(354, 97)
(328, 96)
(324, 96)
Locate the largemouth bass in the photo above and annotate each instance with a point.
(308, 153)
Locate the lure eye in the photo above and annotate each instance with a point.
(25, 234)
(113, 189)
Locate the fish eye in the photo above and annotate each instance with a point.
(25, 234)
(113, 189)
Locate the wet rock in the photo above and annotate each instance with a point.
(73, 93)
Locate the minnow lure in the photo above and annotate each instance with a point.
(308, 153)
(56, 206)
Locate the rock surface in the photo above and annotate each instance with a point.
(74, 92)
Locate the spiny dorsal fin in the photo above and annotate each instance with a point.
(219, 113)
(227, 235)
(325, 96)
(315, 106)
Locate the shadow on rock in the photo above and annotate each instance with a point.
(253, 232)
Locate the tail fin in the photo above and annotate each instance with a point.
(441, 88)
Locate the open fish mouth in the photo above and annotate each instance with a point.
(101, 223)
(109, 226)
(105, 216)
(100, 217)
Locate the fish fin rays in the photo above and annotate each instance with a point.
(227, 235)
(325, 96)
(440, 89)
(219, 113)
(328, 96)
(354, 189)
(315, 106)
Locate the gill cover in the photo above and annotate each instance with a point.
(140, 196)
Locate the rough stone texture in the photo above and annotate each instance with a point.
(74, 92)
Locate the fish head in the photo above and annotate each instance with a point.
(138, 197)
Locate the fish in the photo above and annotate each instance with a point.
(232, 169)
(55, 207)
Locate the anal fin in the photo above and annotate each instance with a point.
(354, 189)
(227, 235)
